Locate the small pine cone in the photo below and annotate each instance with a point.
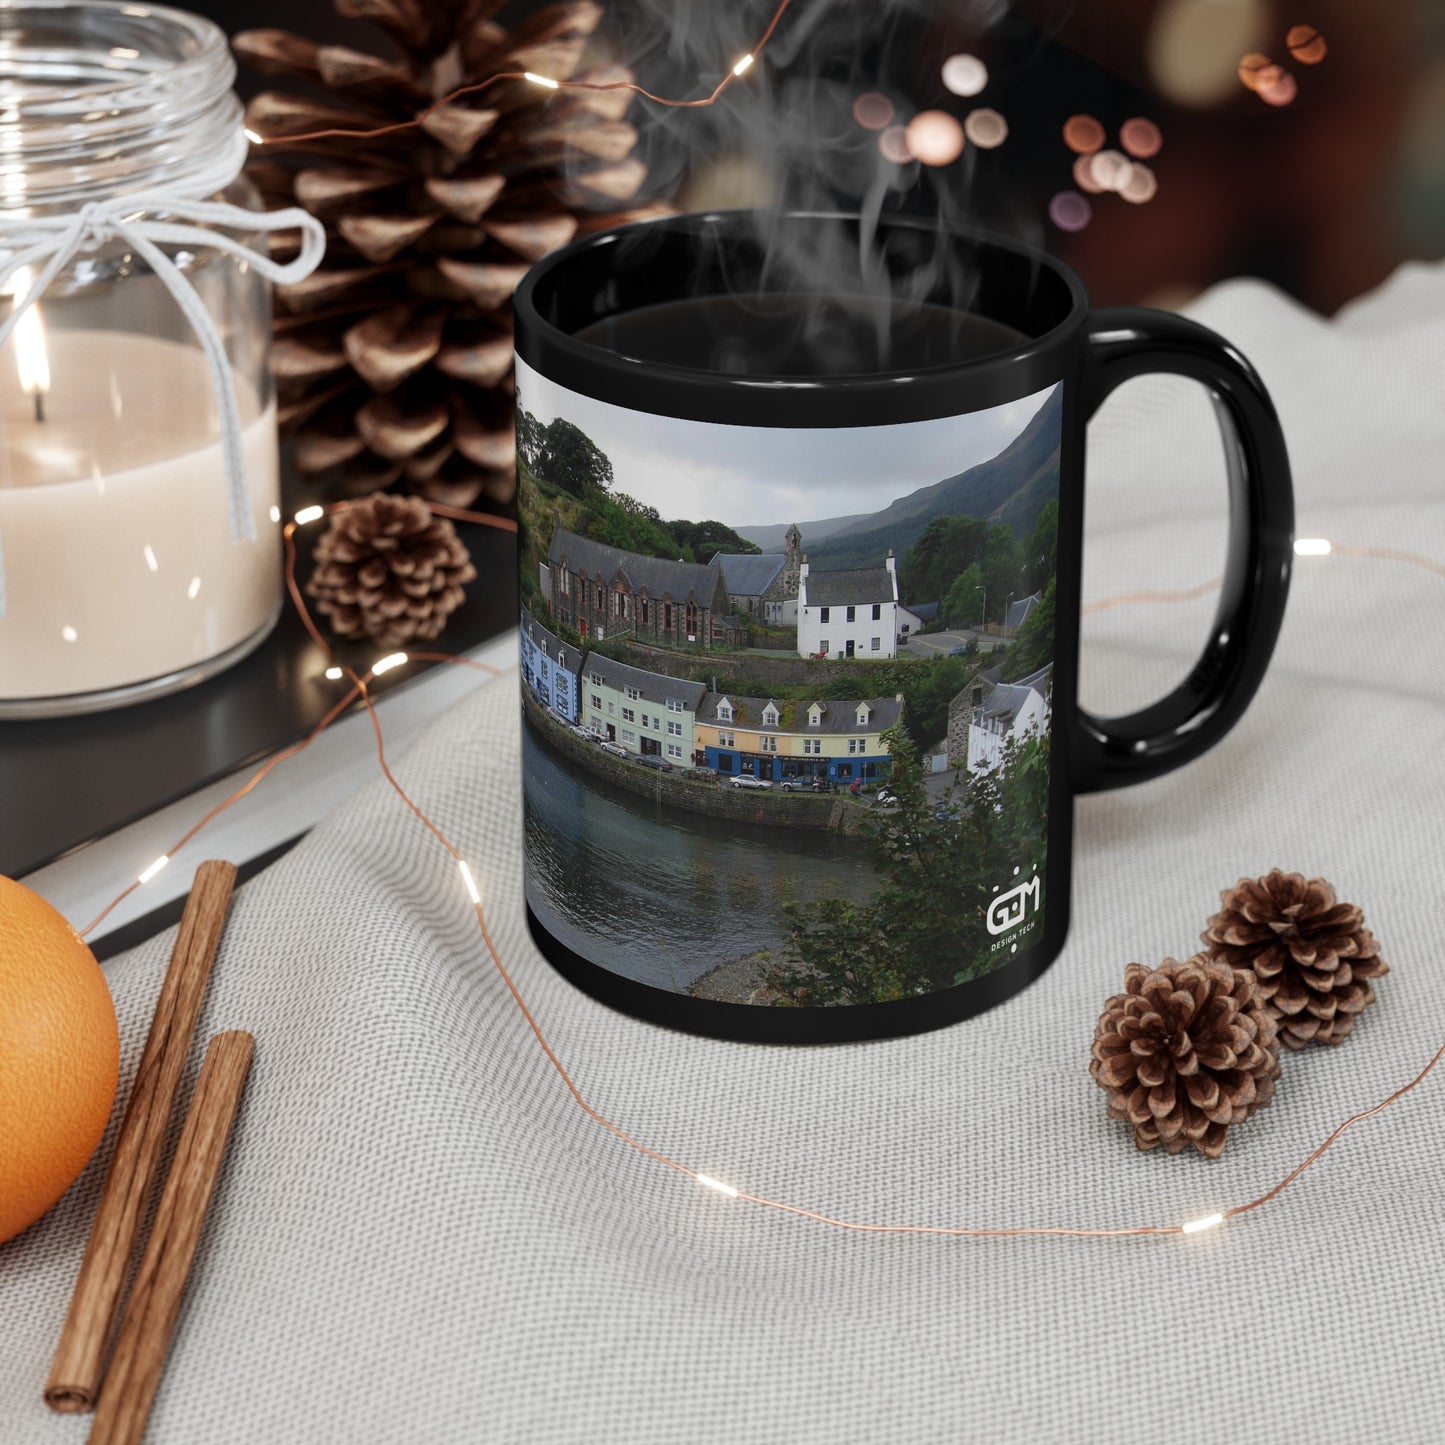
(1185, 1051)
(388, 570)
(1313, 956)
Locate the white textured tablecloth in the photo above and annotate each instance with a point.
(419, 1236)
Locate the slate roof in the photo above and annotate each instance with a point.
(838, 716)
(654, 687)
(748, 574)
(550, 643)
(1018, 611)
(924, 611)
(659, 576)
(1009, 698)
(860, 585)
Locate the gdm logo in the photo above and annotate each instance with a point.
(1010, 909)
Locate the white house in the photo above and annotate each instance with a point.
(854, 613)
(1009, 710)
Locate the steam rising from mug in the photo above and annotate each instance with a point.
(787, 139)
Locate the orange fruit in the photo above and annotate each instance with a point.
(59, 1056)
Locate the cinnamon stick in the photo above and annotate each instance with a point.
(160, 1283)
(79, 1362)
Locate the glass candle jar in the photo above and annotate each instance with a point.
(129, 571)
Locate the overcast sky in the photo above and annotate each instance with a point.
(756, 476)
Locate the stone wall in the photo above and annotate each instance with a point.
(826, 812)
(766, 671)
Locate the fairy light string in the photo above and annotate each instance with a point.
(360, 691)
(546, 82)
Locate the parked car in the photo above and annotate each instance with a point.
(616, 749)
(806, 785)
(944, 814)
(703, 774)
(746, 780)
(651, 760)
(582, 732)
(886, 798)
(597, 737)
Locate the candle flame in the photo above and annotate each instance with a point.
(31, 359)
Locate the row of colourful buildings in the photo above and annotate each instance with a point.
(650, 714)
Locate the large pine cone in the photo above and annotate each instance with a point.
(1185, 1051)
(394, 359)
(1313, 956)
(388, 570)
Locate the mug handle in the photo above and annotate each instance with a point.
(1129, 341)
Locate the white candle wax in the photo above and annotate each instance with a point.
(113, 518)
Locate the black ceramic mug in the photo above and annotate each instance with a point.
(800, 578)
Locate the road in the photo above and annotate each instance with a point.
(935, 644)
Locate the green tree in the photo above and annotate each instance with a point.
(963, 602)
(529, 436)
(948, 546)
(1041, 549)
(570, 459)
(1034, 645)
(705, 538)
(923, 929)
(1001, 565)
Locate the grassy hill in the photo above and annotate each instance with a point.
(1011, 488)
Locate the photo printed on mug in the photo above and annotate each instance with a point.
(787, 695)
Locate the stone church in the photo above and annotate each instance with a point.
(765, 585)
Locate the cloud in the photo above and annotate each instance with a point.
(756, 476)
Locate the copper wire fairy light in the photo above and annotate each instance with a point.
(739, 68)
(1085, 136)
(361, 691)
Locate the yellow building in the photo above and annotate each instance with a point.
(780, 741)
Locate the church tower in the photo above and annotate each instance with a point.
(794, 541)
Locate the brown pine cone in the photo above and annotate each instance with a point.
(388, 570)
(1313, 956)
(393, 361)
(1185, 1051)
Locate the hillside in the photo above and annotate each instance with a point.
(772, 537)
(1011, 488)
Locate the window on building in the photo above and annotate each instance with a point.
(813, 745)
(770, 716)
(852, 612)
(611, 708)
(642, 603)
(667, 616)
(674, 750)
(726, 740)
(852, 745)
(628, 737)
(632, 693)
(725, 710)
(628, 715)
(877, 612)
(596, 702)
(674, 729)
(724, 762)
(876, 645)
(598, 602)
(823, 617)
(692, 619)
(768, 745)
(822, 644)
(675, 705)
(619, 602)
(845, 770)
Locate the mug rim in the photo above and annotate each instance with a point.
(884, 397)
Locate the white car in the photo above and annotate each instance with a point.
(584, 733)
(746, 780)
(616, 749)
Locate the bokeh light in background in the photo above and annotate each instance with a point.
(1110, 170)
(1276, 86)
(1140, 185)
(965, 74)
(1070, 211)
(1083, 134)
(873, 111)
(1141, 138)
(935, 138)
(1194, 46)
(894, 145)
(1306, 44)
(1084, 175)
(1251, 67)
(985, 128)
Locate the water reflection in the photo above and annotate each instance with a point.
(662, 896)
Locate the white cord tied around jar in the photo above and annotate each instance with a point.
(52, 242)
